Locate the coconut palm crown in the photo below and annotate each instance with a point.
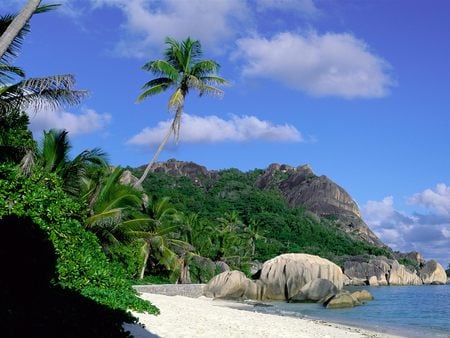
(182, 69)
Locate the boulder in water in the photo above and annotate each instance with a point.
(342, 300)
(433, 273)
(318, 290)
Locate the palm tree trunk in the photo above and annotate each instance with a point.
(17, 25)
(174, 127)
(155, 157)
(144, 265)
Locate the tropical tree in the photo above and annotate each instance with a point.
(158, 234)
(254, 233)
(52, 155)
(182, 69)
(18, 94)
(16, 26)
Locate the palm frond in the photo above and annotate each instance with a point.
(50, 92)
(7, 72)
(204, 68)
(157, 89)
(163, 69)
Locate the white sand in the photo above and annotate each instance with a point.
(204, 317)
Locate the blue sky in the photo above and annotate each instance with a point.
(360, 90)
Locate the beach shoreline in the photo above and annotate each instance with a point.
(204, 317)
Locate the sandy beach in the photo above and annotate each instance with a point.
(204, 317)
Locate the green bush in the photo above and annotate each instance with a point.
(81, 264)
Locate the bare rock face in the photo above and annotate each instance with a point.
(343, 300)
(362, 295)
(230, 285)
(374, 272)
(400, 275)
(318, 194)
(181, 168)
(379, 271)
(433, 273)
(413, 256)
(318, 290)
(284, 276)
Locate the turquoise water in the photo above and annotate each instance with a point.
(411, 311)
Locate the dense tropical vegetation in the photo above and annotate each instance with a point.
(48, 204)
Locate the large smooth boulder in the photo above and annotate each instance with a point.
(284, 276)
(231, 285)
(375, 271)
(400, 275)
(318, 290)
(362, 295)
(433, 273)
(342, 300)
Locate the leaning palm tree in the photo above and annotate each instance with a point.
(20, 21)
(182, 69)
(49, 92)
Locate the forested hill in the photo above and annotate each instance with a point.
(286, 209)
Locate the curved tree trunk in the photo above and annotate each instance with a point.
(17, 25)
(174, 127)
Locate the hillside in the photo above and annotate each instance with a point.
(293, 209)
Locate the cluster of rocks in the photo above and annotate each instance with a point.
(289, 277)
(383, 271)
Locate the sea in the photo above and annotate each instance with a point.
(409, 311)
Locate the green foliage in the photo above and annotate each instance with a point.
(81, 264)
(149, 279)
(15, 138)
(408, 263)
(280, 228)
(448, 270)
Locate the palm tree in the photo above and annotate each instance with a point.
(52, 155)
(183, 70)
(113, 206)
(158, 235)
(49, 92)
(20, 21)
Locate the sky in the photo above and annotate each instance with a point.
(358, 89)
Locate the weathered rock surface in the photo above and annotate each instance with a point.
(433, 273)
(230, 285)
(400, 275)
(301, 187)
(284, 276)
(413, 256)
(181, 168)
(378, 271)
(362, 295)
(342, 300)
(318, 290)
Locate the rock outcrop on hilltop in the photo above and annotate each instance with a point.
(181, 168)
(301, 187)
(433, 273)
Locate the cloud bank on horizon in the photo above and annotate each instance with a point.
(427, 232)
(213, 129)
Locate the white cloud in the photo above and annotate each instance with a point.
(148, 23)
(330, 64)
(437, 199)
(301, 6)
(428, 234)
(212, 129)
(88, 121)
